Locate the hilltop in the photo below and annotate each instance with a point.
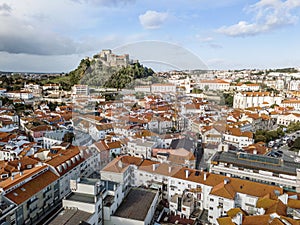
(104, 70)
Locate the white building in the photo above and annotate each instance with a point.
(140, 148)
(52, 138)
(85, 202)
(238, 138)
(163, 88)
(214, 85)
(246, 87)
(80, 90)
(259, 168)
(245, 100)
(137, 208)
(286, 119)
(144, 89)
(24, 95)
(294, 103)
(294, 85)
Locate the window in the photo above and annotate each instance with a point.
(211, 199)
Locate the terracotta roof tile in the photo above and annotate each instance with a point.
(32, 187)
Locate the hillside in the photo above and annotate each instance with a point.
(95, 72)
(126, 76)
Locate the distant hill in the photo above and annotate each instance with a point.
(98, 72)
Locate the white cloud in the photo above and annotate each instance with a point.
(153, 19)
(5, 9)
(268, 15)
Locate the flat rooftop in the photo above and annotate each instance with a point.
(71, 217)
(89, 181)
(79, 197)
(259, 162)
(136, 204)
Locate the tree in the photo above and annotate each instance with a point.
(292, 127)
(206, 87)
(259, 138)
(296, 145)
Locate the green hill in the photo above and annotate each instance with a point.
(94, 72)
(126, 76)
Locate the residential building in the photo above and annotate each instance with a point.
(215, 84)
(84, 203)
(80, 90)
(238, 138)
(145, 200)
(163, 88)
(287, 118)
(35, 192)
(246, 87)
(24, 95)
(258, 168)
(292, 103)
(140, 148)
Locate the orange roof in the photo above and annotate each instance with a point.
(32, 187)
(261, 220)
(101, 146)
(225, 221)
(294, 203)
(115, 144)
(234, 211)
(239, 185)
(223, 190)
(6, 184)
(120, 164)
(215, 81)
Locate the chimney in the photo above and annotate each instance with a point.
(120, 164)
(204, 176)
(226, 181)
(12, 177)
(170, 169)
(254, 151)
(21, 173)
(186, 173)
(153, 166)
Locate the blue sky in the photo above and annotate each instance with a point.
(52, 36)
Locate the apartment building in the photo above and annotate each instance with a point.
(34, 192)
(140, 148)
(188, 189)
(215, 193)
(145, 200)
(236, 137)
(67, 165)
(258, 168)
(84, 203)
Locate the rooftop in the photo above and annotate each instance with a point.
(79, 197)
(70, 217)
(140, 199)
(257, 162)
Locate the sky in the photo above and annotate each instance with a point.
(53, 36)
